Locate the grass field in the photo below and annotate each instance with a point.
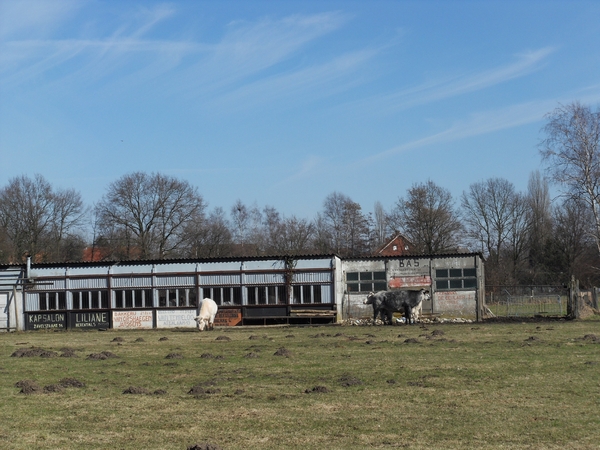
(533, 385)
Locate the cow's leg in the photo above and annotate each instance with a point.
(390, 316)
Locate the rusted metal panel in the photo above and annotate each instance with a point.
(229, 317)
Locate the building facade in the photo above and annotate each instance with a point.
(249, 291)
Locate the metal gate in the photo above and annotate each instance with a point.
(526, 301)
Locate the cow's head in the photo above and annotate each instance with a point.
(369, 298)
(201, 323)
(425, 295)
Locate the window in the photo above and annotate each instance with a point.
(52, 300)
(451, 279)
(133, 298)
(366, 281)
(223, 295)
(177, 298)
(307, 293)
(90, 299)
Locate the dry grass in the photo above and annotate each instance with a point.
(517, 385)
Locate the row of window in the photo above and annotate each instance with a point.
(180, 297)
(445, 279)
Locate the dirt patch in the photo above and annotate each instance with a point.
(207, 355)
(222, 338)
(28, 387)
(532, 338)
(52, 388)
(317, 390)
(159, 392)
(591, 338)
(71, 382)
(136, 390)
(437, 333)
(251, 355)
(69, 353)
(174, 356)
(411, 341)
(282, 351)
(118, 339)
(164, 339)
(101, 356)
(33, 352)
(349, 380)
(202, 389)
(204, 446)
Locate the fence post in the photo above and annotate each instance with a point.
(595, 298)
(573, 310)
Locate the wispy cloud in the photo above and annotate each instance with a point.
(437, 90)
(130, 54)
(485, 122)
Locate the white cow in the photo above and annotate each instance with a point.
(206, 318)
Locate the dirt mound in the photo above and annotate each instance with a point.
(69, 353)
(101, 356)
(164, 339)
(28, 387)
(174, 356)
(437, 333)
(282, 351)
(53, 388)
(160, 392)
(201, 389)
(251, 355)
(33, 352)
(411, 341)
(118, 339)
(349, 380)
(317, 390)
(204, 446)
(71, 382)
(222, 338)
(591, 338)
(136, 390)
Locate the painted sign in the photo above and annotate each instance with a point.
(228, 317)
(173, 318)
(408, 267)
(409, 282)
(89, 320)
(456, 303)
(46, 321)
(132, 319)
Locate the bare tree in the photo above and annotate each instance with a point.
(148, 214)
(494, 214)
(380, 221)
(38, 220)
(539, 216)
(428, 219)
(343, 228)
(572, 153)
(210, 238)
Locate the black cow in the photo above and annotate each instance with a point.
(388, 302)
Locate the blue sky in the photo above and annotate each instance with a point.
(281, 103)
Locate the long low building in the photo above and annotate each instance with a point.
(313, 289)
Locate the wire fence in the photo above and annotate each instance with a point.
(526, 301)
